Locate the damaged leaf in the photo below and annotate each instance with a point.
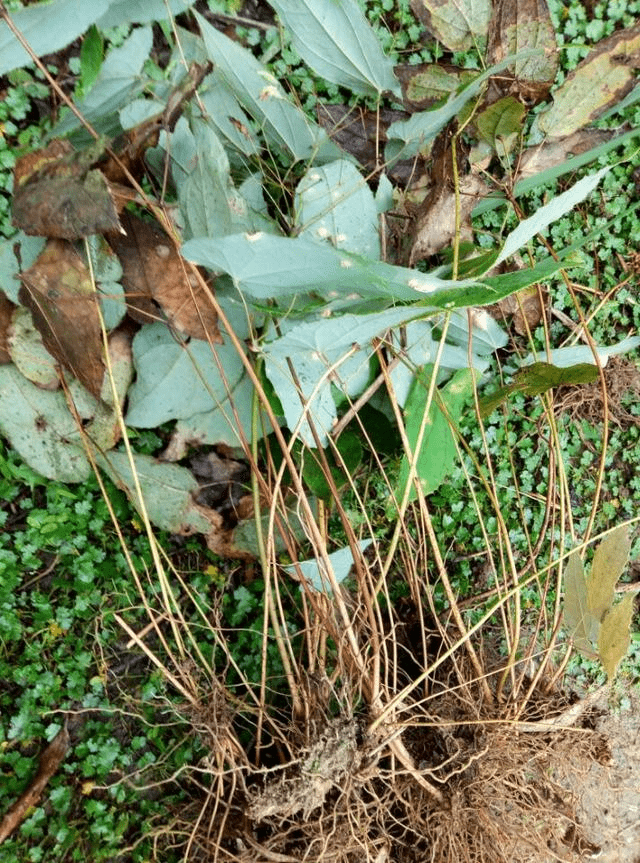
(581, 624)
(526, 308)
(154, 273)
(458, 24)
(28, 353)
(6, 313)
(517, 25)
(500, 125)
(615, 636)
(425, 85)
(537, 378)
(58, 291)
(57, 195)
(334, 204)
(40, 428)
(601, 80)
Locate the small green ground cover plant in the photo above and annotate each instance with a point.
(279, 214)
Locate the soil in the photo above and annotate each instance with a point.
(608, 794)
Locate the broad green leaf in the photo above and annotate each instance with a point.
(582, 626)
(337, 41)
(614, 637)
(176, 380)
(168, 491)
(221, 425)
(314, 573)
(324, 353)
(407, 137)
(225, 113)
(17, 255)
(140, 12)
(261, 95)
(603, 78)
(334, 204)
(438, 452)
(119, 82)
(609, 560)
(47, 27)
(458, 24)
(39, 426)
(551, 212)
(267, 267)
(209, 203)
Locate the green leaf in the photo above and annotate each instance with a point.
(581, 624)
(438, 452)
(225, 113)
(322, 354)
(140, 12)
(168, 491)
(614, 637)
(282, 122)
(337, 41)
(334, 204)
(536, 379)
(267, 267)
(91, 56)
(551, 212)
(118, 83)
(314, 572)
(582, 354)
(501, 123)
(40, 428)
(209, 202)
(609, 560)
(176, 380)
(458, 24)
(350, 450)
(47, 27)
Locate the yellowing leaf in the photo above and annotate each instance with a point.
(614, 638)
(603, 78)
(579, 620)
(609, 561)
(455, 23)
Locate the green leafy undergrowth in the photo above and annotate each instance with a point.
(63, 657)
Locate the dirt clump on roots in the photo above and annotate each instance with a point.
(510, 791)
(586, 402)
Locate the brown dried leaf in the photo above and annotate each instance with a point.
(601, 80)
(50, 760)
(539, 158)
(526, 308)
(58, 291)
(154, 273)
(519, 25)
(435, 224)
(57, 195)
(363, 134)
(6, 312)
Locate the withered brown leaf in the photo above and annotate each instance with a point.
(58, 291)
(6, 311)
(516, 26)
(57, 195)
(156, 277)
